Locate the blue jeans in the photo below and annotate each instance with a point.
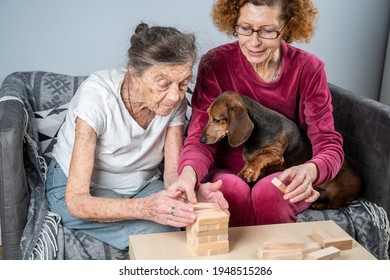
(114, 233)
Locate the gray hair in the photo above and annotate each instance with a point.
(160, 45)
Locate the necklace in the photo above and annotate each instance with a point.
(277, 66)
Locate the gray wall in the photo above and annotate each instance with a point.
(78, 37)
(352, 40)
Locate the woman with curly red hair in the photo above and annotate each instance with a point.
(263, 65)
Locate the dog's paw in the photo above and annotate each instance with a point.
(248, 175)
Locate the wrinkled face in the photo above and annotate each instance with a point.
(163, 86)
(258, 50)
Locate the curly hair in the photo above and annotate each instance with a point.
(303, 16)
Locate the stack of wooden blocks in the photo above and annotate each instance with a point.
(208, 235)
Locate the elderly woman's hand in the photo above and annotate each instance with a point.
(301, 178)
(165, 208)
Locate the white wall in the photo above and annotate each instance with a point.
(78, 37)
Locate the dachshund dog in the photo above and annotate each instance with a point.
(271, 142)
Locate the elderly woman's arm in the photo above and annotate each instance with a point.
(173, 144)
(81, 204)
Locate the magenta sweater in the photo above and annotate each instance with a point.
(300, 93)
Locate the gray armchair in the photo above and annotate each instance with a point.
(30, 116)
(31, 101)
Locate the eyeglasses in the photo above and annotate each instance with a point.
(262, 32)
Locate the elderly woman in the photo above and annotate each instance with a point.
(121, 123)
(263, 65)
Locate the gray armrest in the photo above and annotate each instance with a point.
(365, 126)
(13, 186)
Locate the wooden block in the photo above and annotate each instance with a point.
(279, 184)
(213, 226)
(195, 241)
(324, 254)
(205, 205)
(211, 217)
(223, 237)
(213, 229)
(214, 245)
(211, 248)
(328, 240)
(280, 254)
(210, 252)
(295, 254)
(218, 252)
(223, 231)
(284, 243)
(319, 235)
(311, 247)
(342, 243)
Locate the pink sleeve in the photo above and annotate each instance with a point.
(196, 154)
(316, 113)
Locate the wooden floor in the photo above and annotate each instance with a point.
(1, 253)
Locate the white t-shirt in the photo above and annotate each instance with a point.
(126, 156)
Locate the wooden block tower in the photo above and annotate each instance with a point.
(208, 236)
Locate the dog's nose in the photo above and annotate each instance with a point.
(202, 139)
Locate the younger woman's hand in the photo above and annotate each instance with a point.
(301, 178)
(186, 185)
(210, 192)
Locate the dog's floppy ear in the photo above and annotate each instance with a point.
(240, 125)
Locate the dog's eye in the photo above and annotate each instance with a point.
(219, 121)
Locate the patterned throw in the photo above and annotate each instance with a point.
(48, 124)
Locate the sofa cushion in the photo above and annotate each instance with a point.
(365, 126)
